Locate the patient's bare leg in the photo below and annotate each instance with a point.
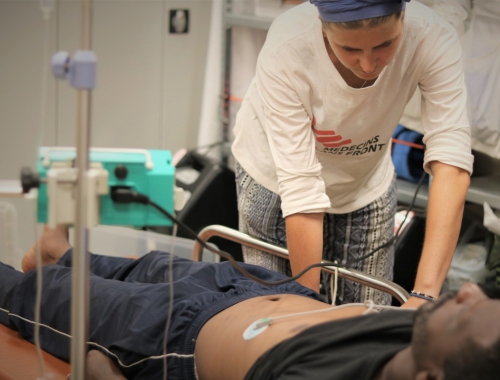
(53, 244)
(100, 367)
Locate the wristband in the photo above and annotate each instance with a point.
(423, 296)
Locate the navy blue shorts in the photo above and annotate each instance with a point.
(129, 302)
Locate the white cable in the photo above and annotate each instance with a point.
(38, 302)
(174, 235)
(157, 357)
(334, 284)
(163, 75)
(270, 320)
(46, 6)
(368, 304)
(372, 307)
(171, 301)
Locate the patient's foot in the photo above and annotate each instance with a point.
(100, 367)
(53, 244)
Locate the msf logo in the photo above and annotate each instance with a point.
(328, 138)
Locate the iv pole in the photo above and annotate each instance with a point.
(81, 261)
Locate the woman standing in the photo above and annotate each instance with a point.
(313, 139)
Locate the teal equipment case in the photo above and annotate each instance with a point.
(149, 172)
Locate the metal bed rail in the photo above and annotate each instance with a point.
(350, 274)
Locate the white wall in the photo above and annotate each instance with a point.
(149, 81)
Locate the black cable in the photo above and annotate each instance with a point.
(396, 235)
(230, 257)
(124, 195)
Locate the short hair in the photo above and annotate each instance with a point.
(473, 362)
(364, 23)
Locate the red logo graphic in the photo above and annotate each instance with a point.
(328, 138)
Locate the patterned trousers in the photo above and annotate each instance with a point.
(346, 237)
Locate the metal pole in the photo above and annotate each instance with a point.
(81, 262)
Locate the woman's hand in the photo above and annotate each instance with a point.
(414, 302)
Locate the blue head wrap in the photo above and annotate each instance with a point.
(352, 10)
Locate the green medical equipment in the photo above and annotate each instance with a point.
(143, 171)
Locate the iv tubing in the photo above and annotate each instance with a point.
(46, 7)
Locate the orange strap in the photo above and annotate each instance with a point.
(407, 143)
(235, 99)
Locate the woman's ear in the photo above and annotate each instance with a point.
(323, 26)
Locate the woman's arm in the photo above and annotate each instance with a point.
(304, 234)
(448, 154)
(444, 218)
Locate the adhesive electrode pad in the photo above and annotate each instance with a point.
(252, 331)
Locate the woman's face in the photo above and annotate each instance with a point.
(366, 51)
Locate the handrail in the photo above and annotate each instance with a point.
(149, 161)
(349, 274)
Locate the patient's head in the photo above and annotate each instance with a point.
(458, 337)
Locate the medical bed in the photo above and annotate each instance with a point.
(208, 232)
(18, 358)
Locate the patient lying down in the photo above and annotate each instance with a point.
(210, 334)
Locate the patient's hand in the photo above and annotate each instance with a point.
(414, 302)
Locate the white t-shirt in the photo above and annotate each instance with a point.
(324, 146)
